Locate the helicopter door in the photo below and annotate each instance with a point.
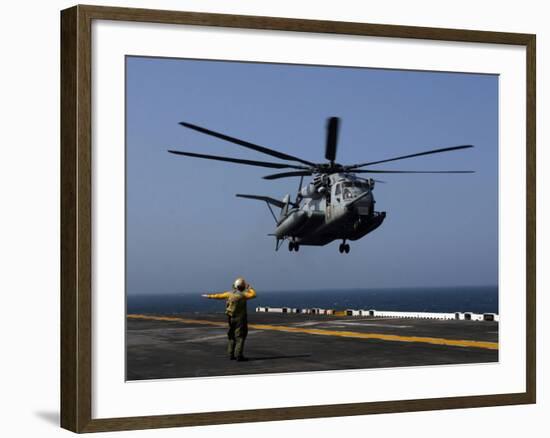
(337, 207)
(338, 193)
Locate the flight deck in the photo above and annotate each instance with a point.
(194, 345)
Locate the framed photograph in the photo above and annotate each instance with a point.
(334, 218)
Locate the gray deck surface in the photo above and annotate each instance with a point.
(166, 349)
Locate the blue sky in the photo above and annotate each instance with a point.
(188, 233)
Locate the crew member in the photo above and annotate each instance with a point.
(235, 310)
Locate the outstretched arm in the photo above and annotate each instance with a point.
(221, 296)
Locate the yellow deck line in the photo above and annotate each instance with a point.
(324, 332)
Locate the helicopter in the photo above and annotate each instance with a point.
(337, 204)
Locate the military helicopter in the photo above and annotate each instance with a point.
(336, 204)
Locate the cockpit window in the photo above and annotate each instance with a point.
(348, 194)
(338, 189)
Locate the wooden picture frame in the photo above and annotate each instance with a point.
(76, 217)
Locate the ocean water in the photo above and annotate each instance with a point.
(477, 299)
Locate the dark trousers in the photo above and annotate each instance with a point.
(238, 329)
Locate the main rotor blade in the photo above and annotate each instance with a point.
(433, 151)
(375, 180)
(411, 171)
(239, 160)
(246, 144)
(332, 138)
(288, 174)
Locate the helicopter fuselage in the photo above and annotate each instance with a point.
(336, 207)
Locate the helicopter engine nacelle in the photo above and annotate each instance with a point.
(311, 191)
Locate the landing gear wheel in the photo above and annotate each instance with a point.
(293, 246)
(344, 248)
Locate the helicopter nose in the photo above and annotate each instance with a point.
(360, 205)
